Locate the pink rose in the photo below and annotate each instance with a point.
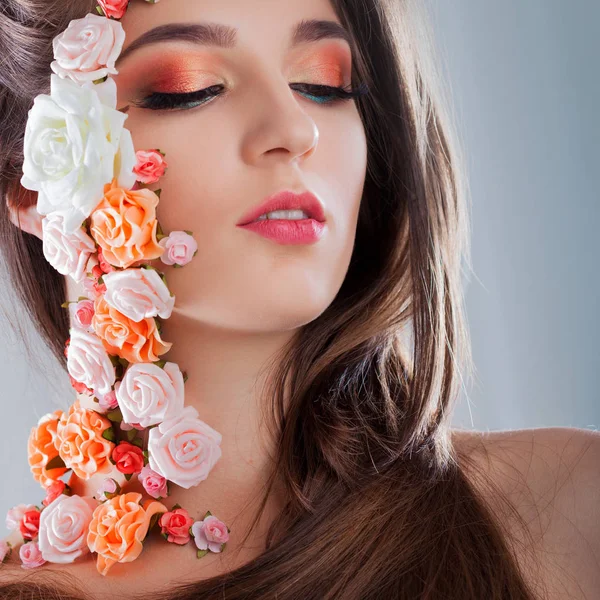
(31, 556)
(150, 167)
(154, 483)
(108, 402)
(15, 515)
(114, 8)
(211, 534)
(63, 528)
(5, 550)
(175, 526)
(30, 524)
(81, 313)
(184, 449)
(180, 248)
(88, 49)
(109, 489)
(54, 490)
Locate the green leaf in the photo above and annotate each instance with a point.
(208, 514)
(176, 506)
(131, 434)
(101, 80)
(145, 453)
(128, 476)
(56, 463)
(109, 434)
(201, 553)
(158, 192)
(176, 266)
(190, 531)
(100, 11)
(185, 376)
(188, 232)
(115, 415)
(160, 363)
(166, 536)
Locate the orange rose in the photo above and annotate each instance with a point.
(80, 443)
(124, 225)
(118, 528)
(41, 449)
(135, 342)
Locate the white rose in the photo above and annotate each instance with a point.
(88, 48)
(74, 144)
(88, 362)
(184, 449)
(63, 530)
(68, 253)
(147, 394)
(138, 293)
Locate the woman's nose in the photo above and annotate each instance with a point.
(279, 128)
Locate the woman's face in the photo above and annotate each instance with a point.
(258, 137)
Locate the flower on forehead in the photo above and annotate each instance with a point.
(42, 450)
(64, 528)
(118, 528)
(68, 253)
(14, 516)
(136, 342)
(180, 247)
(149, 394)
(114, 9)
(88, 48)
(30, 556)
(88, 361)
(81, 443)
(150, 166)
(138, 293)
(184, 449)
(124, 225)
(75, 143)
(30, 523)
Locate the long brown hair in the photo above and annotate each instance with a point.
(378, 501)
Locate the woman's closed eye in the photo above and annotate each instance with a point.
(322, 94)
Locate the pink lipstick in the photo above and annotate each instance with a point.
(287, 231)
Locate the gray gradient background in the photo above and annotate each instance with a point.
(524, 78)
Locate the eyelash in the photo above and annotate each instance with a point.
(164, 101)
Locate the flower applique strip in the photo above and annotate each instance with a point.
(100, 227)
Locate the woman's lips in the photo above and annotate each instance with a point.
(288, 231)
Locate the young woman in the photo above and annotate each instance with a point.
(329, 363)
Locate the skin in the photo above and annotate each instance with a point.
(243, 296)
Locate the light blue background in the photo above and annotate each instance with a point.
(524, 78)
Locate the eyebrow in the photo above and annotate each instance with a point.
(224, 36)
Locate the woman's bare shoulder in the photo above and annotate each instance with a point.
(551, 477)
